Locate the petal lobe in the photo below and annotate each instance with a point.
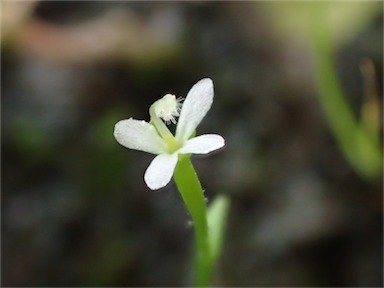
(160, 171)
(196, 105)
(203, 144)
(139, 135)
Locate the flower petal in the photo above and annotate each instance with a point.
(139, 135)
(160, 171)
(195, 107)
(203, 144)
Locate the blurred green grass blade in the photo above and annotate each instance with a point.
(364, 155)
(217, 222)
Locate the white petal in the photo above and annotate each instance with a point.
(195, 107)
(160, 171)
(203, 144)
(139, 135)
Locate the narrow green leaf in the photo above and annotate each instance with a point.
(217, 222)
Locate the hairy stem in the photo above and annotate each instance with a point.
(190, 189)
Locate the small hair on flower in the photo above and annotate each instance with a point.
(156, 138)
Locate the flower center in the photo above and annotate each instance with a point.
(168, 108)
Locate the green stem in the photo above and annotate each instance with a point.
(190, 189)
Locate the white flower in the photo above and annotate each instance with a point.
(157, 139)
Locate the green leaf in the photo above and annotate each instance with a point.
(217, 220)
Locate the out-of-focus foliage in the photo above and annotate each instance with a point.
(217, 219)
(360, 144)
(346, 19)
(75, 209)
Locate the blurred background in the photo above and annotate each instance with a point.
(75, 210)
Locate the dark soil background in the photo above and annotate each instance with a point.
(75, 210)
